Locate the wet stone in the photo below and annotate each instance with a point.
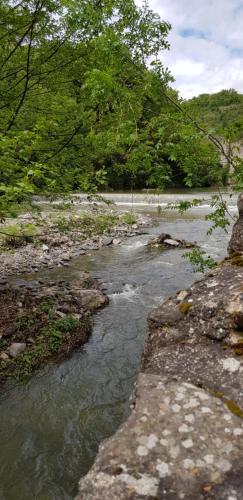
(106, 241)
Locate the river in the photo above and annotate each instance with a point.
(51, 427)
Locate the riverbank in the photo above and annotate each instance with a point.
(43, 321)
(49, 240)
(183, 437)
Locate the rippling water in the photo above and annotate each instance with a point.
(51, 427)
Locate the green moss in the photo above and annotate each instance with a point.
(237, 260)
(231, 405)
(185, 307)
(234, 408)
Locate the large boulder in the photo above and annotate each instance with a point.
(180, 442)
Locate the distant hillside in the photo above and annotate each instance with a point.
(221, 113)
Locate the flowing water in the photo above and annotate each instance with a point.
(52, 426)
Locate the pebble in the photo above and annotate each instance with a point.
(4, 356)
(16, 349)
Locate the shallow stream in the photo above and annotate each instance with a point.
(52, 426)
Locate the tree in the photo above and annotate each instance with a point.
(70, 89)
(86, 102)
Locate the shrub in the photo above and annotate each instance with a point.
(19, 235)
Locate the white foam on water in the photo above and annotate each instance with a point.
(129, 293)
(134, 245)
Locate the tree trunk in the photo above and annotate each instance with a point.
(236, 242)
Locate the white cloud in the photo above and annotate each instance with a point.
(206, 40)
(184, 67)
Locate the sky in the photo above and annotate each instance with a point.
(206, 44)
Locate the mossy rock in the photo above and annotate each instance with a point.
(185, 307)
(237, 260)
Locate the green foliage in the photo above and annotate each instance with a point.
(199, 261)
(16, 209)
(24, 322)
(67, 324)
(83, 109)
(16, 235)
(184, 205)
(87, 223)
(59, 330)
(129, 218)
(221, 112)
(73, 85)
(219, 215)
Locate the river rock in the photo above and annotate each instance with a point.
(236, 242)
(182, 295)
(16, 349)
(4, 356)
(160, 239)
(106, 241)
(171, 242)
(26, 216)
(66, 257)
(92, 299)
(166, 241)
